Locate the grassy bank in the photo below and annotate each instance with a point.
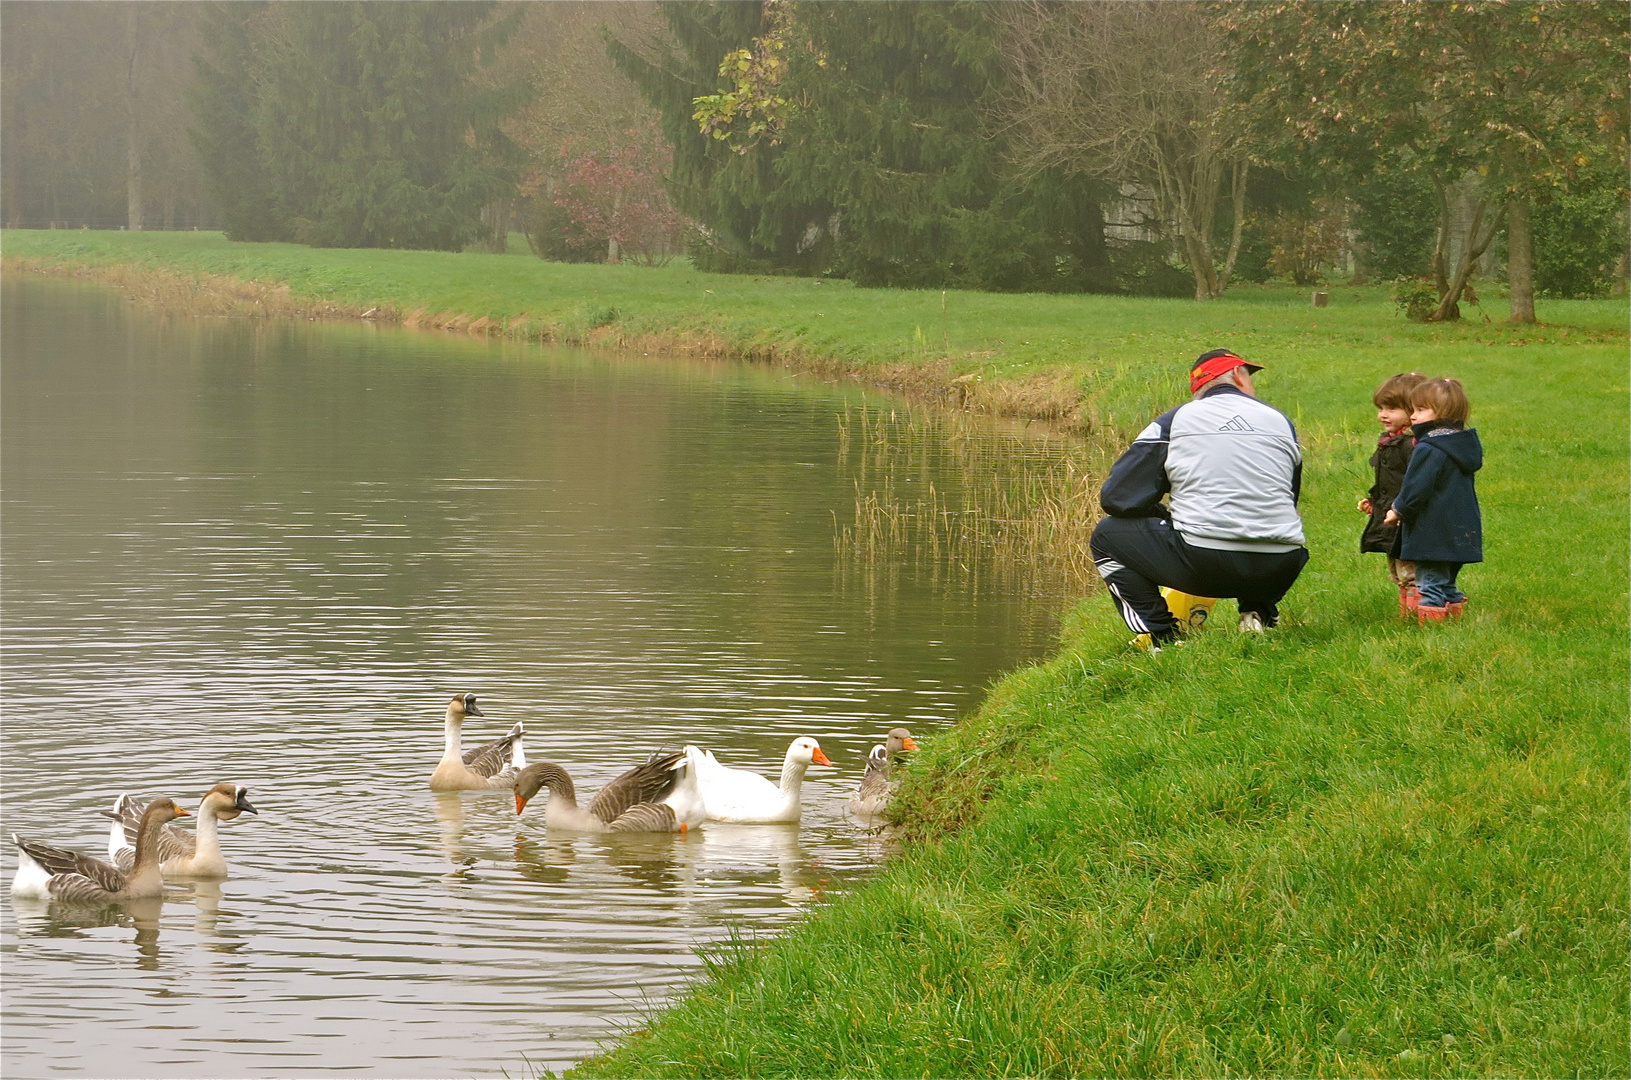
(1351, 847)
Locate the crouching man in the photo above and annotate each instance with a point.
(1232, 471)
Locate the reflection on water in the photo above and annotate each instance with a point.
(268, 554)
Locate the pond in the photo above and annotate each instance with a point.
(270, 552)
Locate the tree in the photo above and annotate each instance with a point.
(617, 198)
(95, 117)
(728, 192)
(852, 139)
(1120, 91)
(577, 98)
(1515, 94)
(352, 124)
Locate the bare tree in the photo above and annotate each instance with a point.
(1121, 91)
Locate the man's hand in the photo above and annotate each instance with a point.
(1364, 506)
(1392, 518)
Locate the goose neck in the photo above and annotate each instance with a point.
(450, 746)
(793, 771)
(208, 833)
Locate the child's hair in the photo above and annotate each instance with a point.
(1395, 393)
(1445, 397)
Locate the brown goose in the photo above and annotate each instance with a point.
(51, 873)
(489, 767)
(873, 795)
(181, 853)
(657, 796)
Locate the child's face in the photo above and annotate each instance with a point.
(1423, 413)
(1393, 418)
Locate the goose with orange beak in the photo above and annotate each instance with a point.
(747, 798)
(658, 795)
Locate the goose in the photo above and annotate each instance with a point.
(876, 789)
(51, 873)
(489, 767)
(657, 796)
(181, 853)
(746, 797)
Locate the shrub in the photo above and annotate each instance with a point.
(1416, 297)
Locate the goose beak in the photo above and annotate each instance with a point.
(182, 811)
(908, 744)
(819, 758)
(243, 804)
(520, 804)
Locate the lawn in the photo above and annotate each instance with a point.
(1351, 847)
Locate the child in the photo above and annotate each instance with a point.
(1392, 456)
(1437, 505)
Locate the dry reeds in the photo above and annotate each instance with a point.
(1013, 507)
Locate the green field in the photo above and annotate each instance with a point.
(1351, 847)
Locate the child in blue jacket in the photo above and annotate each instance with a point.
(1437, 506)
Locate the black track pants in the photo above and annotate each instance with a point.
(1136, 556)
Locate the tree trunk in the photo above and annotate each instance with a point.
(1520, 263)
(1239, 206)
(133, 129)
(1441, 242)
(1448, 308)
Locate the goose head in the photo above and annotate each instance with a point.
(162, 811)
(534, 778)
(806, 751)
(228, 801)
(461, 706)
(900, 739)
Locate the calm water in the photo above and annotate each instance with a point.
(271, 553)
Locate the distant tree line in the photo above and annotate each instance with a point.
(1157, 148)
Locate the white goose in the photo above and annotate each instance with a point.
(872, 797)
(748, 798)
(659, 795)
(489, 767)
(52, 873)
(181, 853)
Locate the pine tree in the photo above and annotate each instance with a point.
(352, 124)
(850, 139)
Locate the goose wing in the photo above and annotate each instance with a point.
(875, 781)
(490, 759)
(646, 817)
(64, 866)
(648, 782)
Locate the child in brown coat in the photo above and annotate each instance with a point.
(1391, 459)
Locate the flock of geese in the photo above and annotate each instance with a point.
(670, 792)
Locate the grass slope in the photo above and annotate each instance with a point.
(1352, 847)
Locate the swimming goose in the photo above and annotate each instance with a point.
(181, 853)
(490, 767)
(656, 796)
(51, 873)
(876, 789)
(748, 798)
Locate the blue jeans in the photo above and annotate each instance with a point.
(1436, 583)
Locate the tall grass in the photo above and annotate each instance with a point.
(1019, 508)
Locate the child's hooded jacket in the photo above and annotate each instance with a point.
(1437, 503)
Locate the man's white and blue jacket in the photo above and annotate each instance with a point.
(1229, 463)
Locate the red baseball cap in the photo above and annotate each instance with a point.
(1209, 365)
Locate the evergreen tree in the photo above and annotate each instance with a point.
(729, 189)
(851, 139)
(893, 136)
(353, 124)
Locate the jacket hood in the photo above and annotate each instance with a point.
(1461, 447)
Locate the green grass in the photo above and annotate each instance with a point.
(1352, 847)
